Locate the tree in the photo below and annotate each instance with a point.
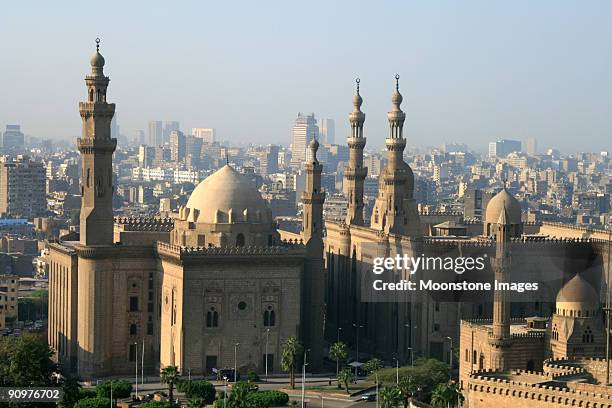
(25, 361)
(373, 365)
(424, 376)
(240, 394)
(446, 394)
(157, 404)
(121, 389)
(408, 388)
(338, 353)
(198, 390)
(71, 392)
(390, 397)
(170, 375)
(291, 350)
(345, 377)
(95, 402)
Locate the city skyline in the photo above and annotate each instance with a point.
(467, 73)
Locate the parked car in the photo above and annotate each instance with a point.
(370, 396)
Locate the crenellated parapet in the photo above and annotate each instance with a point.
(540, 388)
(145, 224)
(287, 248)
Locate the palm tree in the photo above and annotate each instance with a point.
(345, 377)
(408, 388)
(338, 353)
(373, 365)
(446, 394)
(390, 397)
(170, 375)
(291, 350)
(240, 394)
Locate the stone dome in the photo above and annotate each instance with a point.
(577, 298)
(97, 60)
(496, 205)
(227, 196)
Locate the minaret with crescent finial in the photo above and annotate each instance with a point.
(355, 173)
(395, 210)
(96, 147)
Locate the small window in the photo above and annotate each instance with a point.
(133, 303)
(133, 330)
(212, 318)
(269, 317)
(150, 328)
(240, 240)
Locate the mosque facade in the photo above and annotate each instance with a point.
(214, 286)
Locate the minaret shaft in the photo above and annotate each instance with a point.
(355, 173)
(96, 147)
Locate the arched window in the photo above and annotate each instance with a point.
(240, 240)
(91, 95)
(212, 317)
(133, 329)
(269, 317)
(587, 336)
(555, 333)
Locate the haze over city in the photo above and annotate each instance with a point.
(470, 72)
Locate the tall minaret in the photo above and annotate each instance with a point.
(355, 173)
(500, 339)
(314, 278)
(395, 209)
(97, 147)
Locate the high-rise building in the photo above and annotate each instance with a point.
(269, 160)
(22, 188)
(146, 156)
(169, 127)
(531, 146)
(327, 130)
(177, 146)
(504, 147)
(139, 137)
(155, 133)
(304, 130)
(13, 139)
(206, 134)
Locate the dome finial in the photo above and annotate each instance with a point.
(357, 81)
(97, 44)
(397, 77)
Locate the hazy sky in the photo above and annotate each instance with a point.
(471, 71)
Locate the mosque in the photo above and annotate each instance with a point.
(219, 284)
(213, 286)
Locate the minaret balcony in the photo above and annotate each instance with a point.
(359, 173)
(93, 145)
(356, 142)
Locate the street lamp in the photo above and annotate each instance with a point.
(339, 330)
(411, 358)
(396, 370)
(376, 375)
(450, 360)
(357, 327)
(136, 361)
(304, 377)
(267, 336)
(225, 391)
(236, 361)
